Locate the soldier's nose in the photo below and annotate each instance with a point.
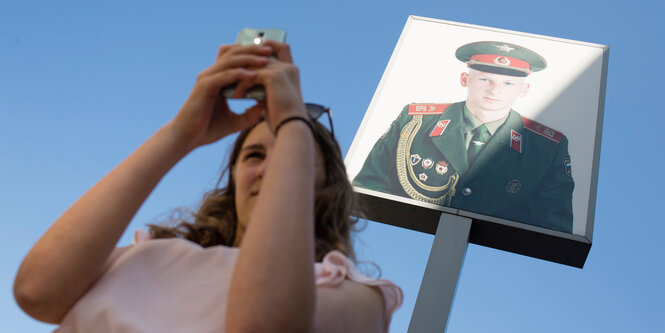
(494, 89)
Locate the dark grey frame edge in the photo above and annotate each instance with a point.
(563, 248)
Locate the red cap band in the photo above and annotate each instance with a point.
(494, 59)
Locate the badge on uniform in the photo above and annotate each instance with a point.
(516, 141)
(513, 186)
(427, 163)
(415, 159)
(439, 128)
(422, 177)
(568, 166)
(441, 167)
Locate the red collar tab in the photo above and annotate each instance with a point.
(516, 141)
(426, 109)
(439, 128)
(500, 60)
(542, 130)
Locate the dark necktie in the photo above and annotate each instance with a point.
(480, 137)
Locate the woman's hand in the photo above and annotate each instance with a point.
(205, 117)
(281, 80)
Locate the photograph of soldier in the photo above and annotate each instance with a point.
(479, 155)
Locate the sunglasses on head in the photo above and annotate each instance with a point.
(316, 110)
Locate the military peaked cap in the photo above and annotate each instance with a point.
(500, 58)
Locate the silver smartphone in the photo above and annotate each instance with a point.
(251, 36)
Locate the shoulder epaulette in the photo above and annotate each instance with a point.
(542, 130)
(426, 109)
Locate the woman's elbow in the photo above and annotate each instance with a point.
(258, 325)
(36, 304)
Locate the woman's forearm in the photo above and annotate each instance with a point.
(72, 254)
(272, 288)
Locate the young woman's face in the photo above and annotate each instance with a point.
(250, 168)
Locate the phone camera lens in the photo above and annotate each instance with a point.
(258, 40)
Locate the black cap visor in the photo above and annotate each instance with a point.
(499, 70)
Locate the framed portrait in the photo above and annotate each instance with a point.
(500, 126)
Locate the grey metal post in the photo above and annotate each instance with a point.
(437, 290)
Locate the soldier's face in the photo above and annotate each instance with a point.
(491, 92)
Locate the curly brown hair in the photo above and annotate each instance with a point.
(216, 221)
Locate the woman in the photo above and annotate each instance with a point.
(75, 276)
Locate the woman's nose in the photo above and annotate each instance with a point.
(263, 167)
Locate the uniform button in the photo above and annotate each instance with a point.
(466, 191)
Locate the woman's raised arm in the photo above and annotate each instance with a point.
(73, 252)
(272, 288)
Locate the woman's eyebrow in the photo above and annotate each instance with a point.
(256, 146)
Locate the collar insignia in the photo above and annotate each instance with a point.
(516, 141)
(439, 128)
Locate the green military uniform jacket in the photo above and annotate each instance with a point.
(523, 173)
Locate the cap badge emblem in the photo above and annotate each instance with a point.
(501, 60)
(504, 48)
(423, 177)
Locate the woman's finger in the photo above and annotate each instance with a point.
(234, 49)
(212, 83)
(224, 122)
(243, 85)
(246, 61)
(282, 50)
(224, 49)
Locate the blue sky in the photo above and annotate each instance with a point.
(82, 85)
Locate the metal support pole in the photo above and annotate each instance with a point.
(437, 290)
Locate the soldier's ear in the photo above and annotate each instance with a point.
(464, 79)
(525, 89)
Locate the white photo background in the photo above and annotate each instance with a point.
(563, 96)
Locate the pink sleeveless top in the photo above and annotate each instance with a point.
(174, 285)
